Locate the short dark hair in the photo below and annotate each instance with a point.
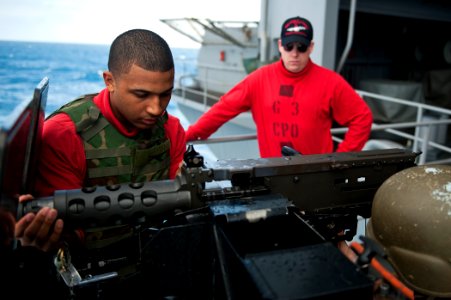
(141, 47)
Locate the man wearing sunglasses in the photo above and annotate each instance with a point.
(294, 102)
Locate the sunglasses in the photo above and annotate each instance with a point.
(300, 47)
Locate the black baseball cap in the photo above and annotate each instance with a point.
(297, 29)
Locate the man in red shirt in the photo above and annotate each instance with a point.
(123, 133)
(137, 139)
(294, 102)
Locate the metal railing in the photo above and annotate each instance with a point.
(421, 140)
(206, 81)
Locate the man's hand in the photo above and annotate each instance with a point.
(41, 230)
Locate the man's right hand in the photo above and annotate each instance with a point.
(41, 230)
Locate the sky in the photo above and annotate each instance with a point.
(100, 21)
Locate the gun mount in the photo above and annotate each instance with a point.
(252, 229)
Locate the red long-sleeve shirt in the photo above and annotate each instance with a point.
(62, 162)
(293, 109)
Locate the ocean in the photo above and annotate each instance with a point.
(72, 69)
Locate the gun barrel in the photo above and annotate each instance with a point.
(101, 206)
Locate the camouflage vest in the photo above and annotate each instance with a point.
(112, 158)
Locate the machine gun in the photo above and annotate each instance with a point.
(235, 229)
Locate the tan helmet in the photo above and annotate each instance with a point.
(411, 219)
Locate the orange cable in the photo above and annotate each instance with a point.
(395, 282)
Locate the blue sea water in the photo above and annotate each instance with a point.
(72, 69)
